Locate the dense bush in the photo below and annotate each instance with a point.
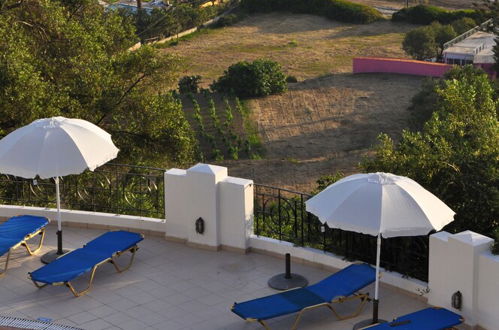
(464, 24)
(340, 10)
(423, 14)
(249, 79)
(189, 84)
(227, 20)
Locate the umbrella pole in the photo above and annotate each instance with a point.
(376, 285)
(59, 226)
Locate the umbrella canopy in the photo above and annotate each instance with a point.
(382, 205)
(54, 147)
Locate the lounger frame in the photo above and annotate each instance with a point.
(24, 242)
(364, 298)
(111, 260)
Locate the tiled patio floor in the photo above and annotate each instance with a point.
(170, 286)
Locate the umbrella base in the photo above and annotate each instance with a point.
(52, 255)
(280, 282)
(365, 323)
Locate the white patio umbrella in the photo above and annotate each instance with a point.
(55, 147)
(382, 205)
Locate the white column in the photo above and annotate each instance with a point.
(203, 182)
(176, 201)
(236, 212)
(454, 267)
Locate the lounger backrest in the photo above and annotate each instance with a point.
(20, 226)
(344, 282)
(114, 241)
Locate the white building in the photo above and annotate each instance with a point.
(475, 49)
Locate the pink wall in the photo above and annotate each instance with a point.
(396, 65)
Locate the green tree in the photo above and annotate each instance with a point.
(423, 103)
(420, 43)
(72, 58)
(456, 155)
(464, 24)
(442, 33)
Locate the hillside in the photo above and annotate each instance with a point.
(330, 118)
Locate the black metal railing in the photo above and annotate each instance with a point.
(111, 188)
(281, 214)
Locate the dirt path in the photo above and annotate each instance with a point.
(324, 125)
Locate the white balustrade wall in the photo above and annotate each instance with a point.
(463, 262)
(460, 262)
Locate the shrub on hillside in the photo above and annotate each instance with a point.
(423, 14)
(250, 79)
(189, 84)
(340, 10)
(227, 20)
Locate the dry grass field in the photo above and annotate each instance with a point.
(330, 118)
(325, 125)
(306, 46)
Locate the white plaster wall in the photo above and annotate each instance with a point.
(203, 198)
(331, 260)
(462, 262)
(176, 197)
(76, 216)
(236, 212)
(440, 280)
(488, 291)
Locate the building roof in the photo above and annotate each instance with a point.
(479, 45)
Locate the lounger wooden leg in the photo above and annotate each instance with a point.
(264, 324)
(39, 286)
(133, 250)
(26, 245)
(363, 300)
(6, 264)
(90, 281)
(297, 320)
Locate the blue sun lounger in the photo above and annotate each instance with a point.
(103, 249)
(17, 231)
(336, 288)
(432, 318)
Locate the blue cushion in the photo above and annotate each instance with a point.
(68, 267)
(15, 229)
(343, 283)
(80, 261)
(20, 226)
(6, 244)
(429, 319)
